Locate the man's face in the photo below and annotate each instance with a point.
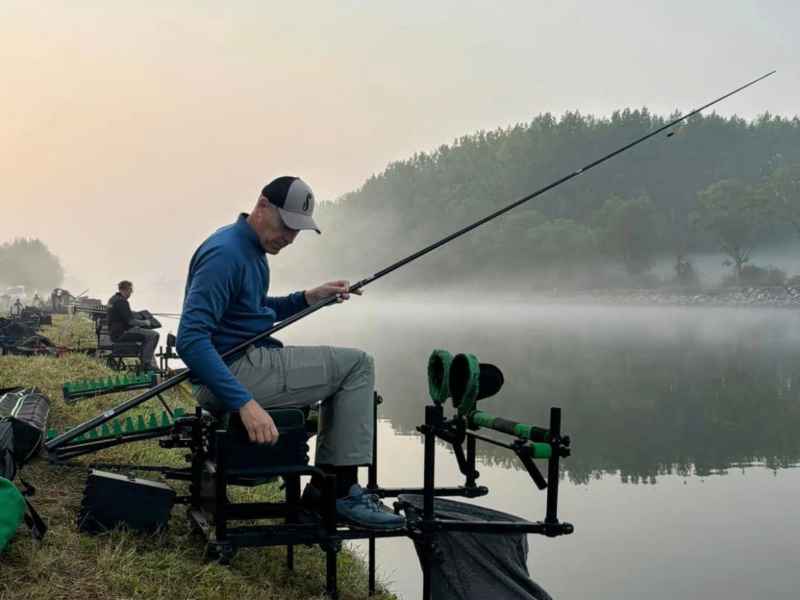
(126, 293)
(272, 232)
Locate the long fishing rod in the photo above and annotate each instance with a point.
(165, 385)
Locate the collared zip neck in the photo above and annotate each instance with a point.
(244, 229)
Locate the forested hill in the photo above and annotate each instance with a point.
(29, 263)
(640, 204)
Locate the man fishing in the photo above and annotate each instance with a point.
(123, 326)
(226, 303)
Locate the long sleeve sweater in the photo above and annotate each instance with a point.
(226, 303)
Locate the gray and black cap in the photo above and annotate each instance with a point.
(294, 200)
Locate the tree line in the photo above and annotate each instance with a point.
(30, 263)
(717, 184)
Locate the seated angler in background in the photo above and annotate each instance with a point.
(124, 327)
(226, 304)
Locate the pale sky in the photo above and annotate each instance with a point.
(129, 131)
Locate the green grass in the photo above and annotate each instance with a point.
(124, 564)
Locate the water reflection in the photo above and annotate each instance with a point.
(646, 392)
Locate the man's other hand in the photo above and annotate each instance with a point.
(147, 323)
(318, 294)
(259, 425)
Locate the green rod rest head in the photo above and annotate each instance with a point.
(439, 375)
(471, 381)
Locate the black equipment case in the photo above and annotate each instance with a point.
(111, 500)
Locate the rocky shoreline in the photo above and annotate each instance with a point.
(742, 297)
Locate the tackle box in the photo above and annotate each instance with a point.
(111, 500)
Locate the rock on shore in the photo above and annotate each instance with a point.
(751, 296)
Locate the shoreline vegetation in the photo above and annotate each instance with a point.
(753, 296)
(738, 297)
(122, 564)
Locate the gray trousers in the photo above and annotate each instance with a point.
(147, 337)
(298, 376)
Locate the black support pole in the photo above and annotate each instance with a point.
(221, 487)
(293, 502)
(552, 466)
(471, 452)
(372, 566)
(372, 483)
(432, 414)
(331, 551)
(372, 471)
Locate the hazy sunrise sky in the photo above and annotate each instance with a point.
(129, 131)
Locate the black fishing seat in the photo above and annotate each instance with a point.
(115, 353)
(243, 458)
(222, 457)
(121, 352)
(251, 464)
(228, 458)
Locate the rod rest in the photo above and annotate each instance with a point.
(152, 422)
(90, 388)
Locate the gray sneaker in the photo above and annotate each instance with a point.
(358, 509)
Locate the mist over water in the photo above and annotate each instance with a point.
(645, 391)
(133, 135)
(684, 424)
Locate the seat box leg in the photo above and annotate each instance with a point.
(332, 543)
(293, 501)
(220, 490)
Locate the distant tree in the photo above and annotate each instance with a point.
(30, 262)
(737, 213)
(783, 190)
(630, 234)
(686, 275)
(563, 241)
(528, 240)
(511, 245)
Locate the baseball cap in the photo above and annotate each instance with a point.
(294, 200)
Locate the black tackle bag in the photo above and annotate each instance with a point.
(23, 429)
(23, 425)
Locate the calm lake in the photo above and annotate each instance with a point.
(685, 427)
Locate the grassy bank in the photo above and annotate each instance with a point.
(128, 565)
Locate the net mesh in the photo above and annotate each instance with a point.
(469, 566)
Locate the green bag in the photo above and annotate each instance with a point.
(12, 510)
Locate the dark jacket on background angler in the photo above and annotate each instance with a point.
(120, 317)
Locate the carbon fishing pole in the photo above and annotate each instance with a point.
(173, 381)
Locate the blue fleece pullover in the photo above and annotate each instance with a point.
(226, 303)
